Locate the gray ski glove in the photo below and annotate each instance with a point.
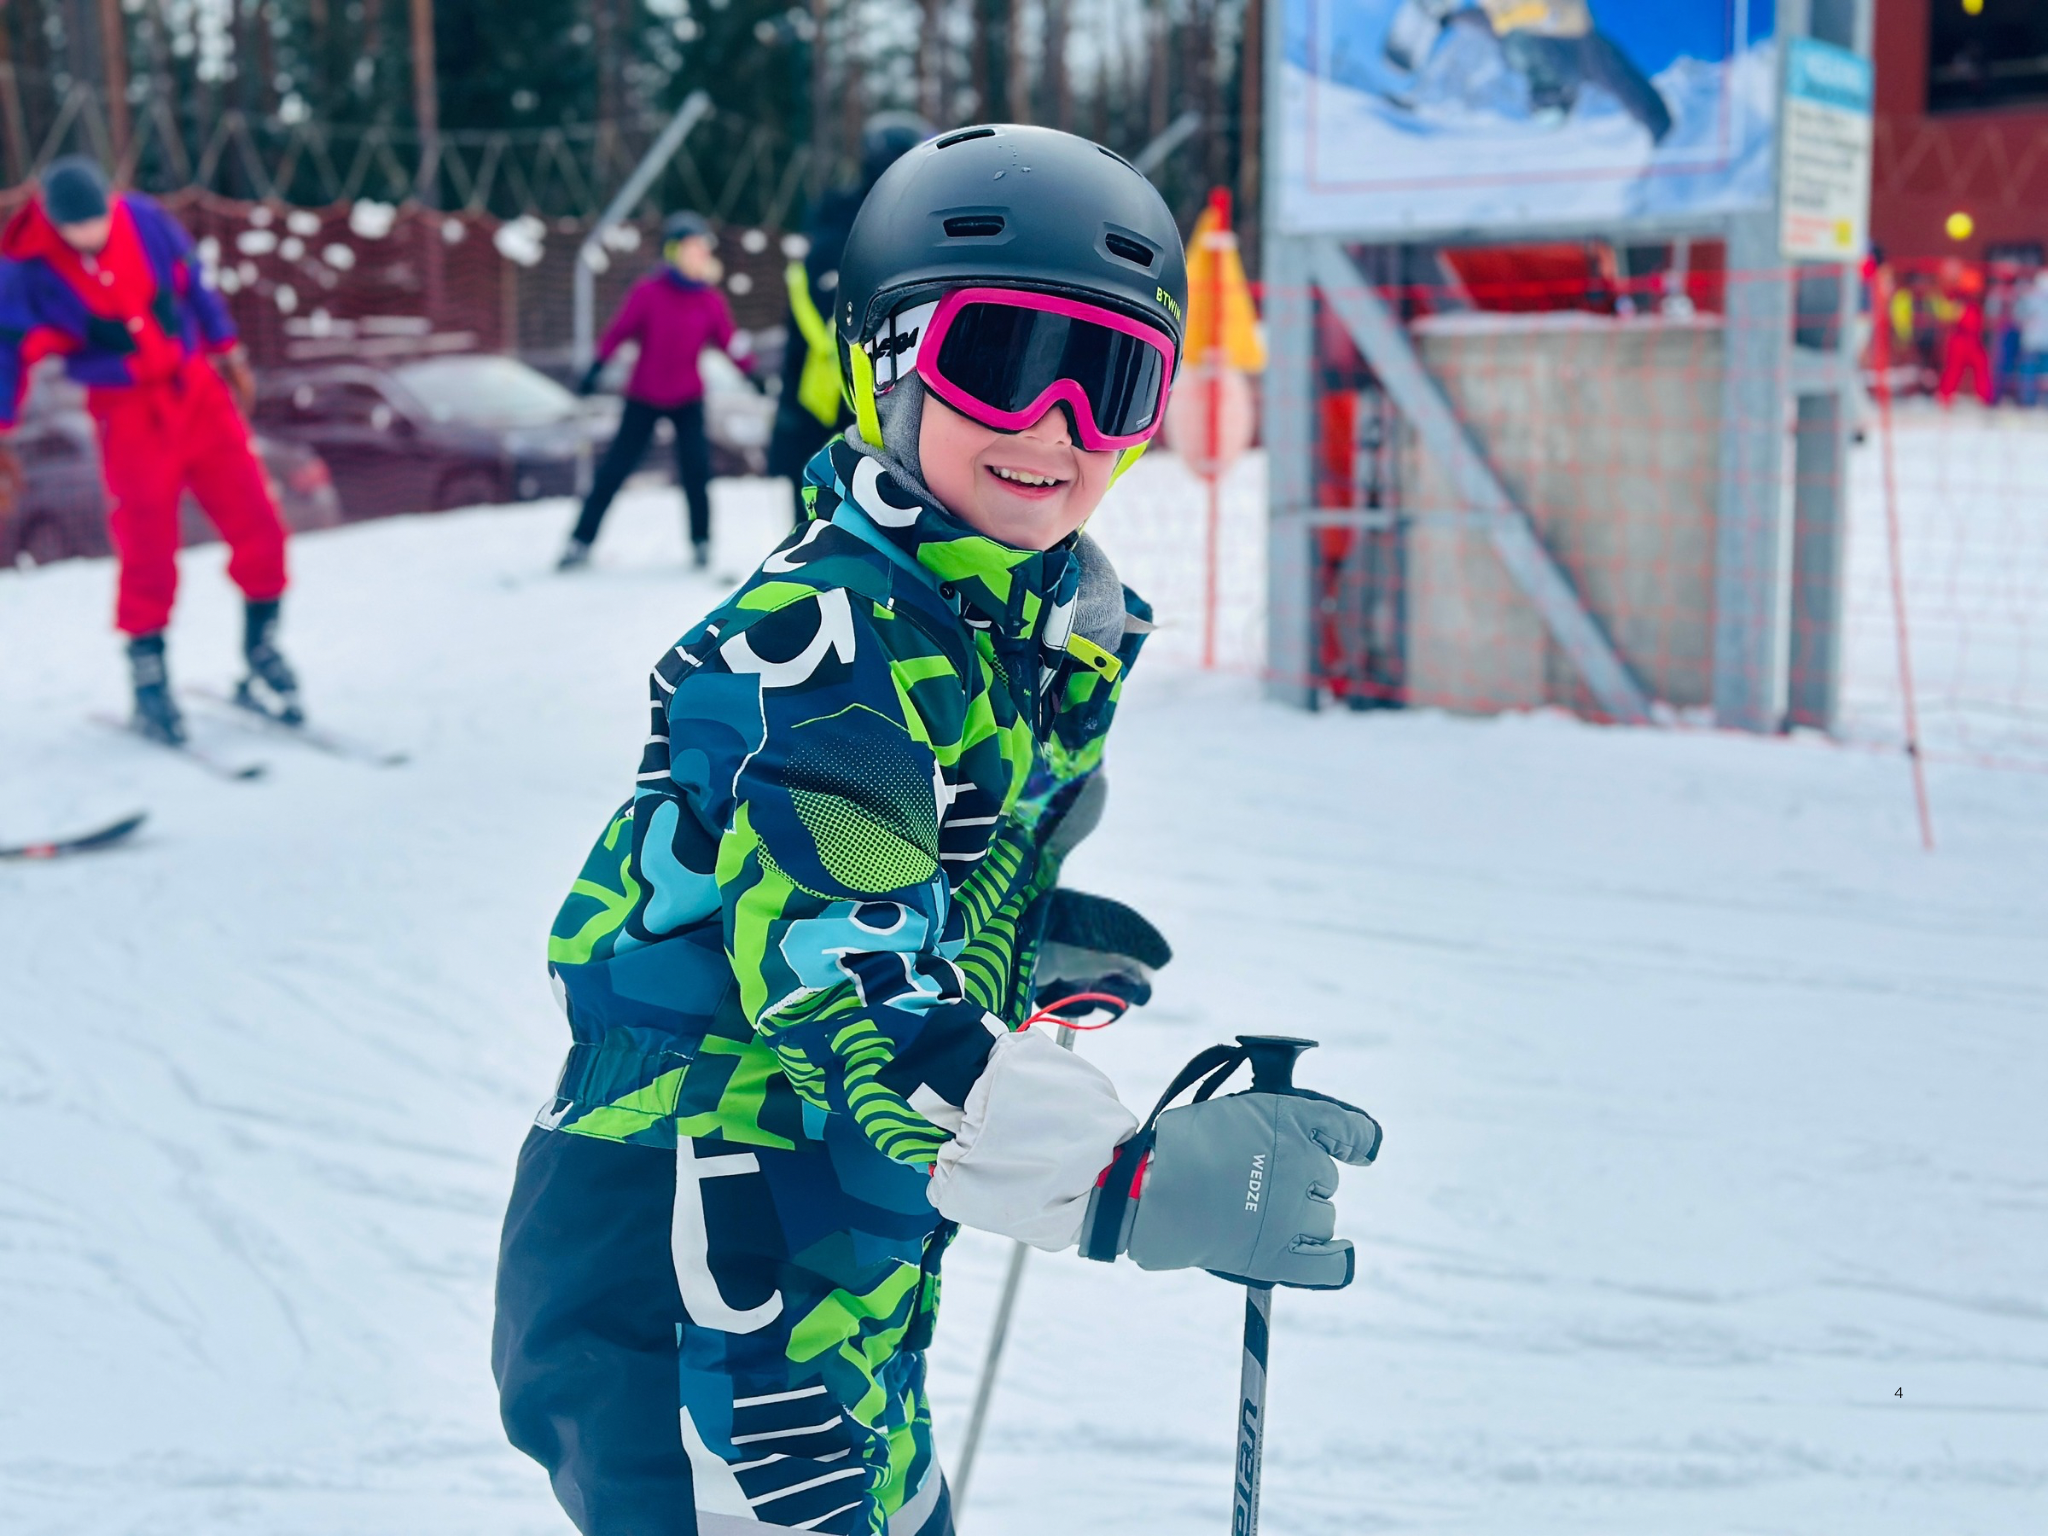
(1240, 1186)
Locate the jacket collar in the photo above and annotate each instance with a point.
(30, 233)
(1019, 593)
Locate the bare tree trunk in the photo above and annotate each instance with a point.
(1055, 65)
(426, 103)
(604, 32)
(853, 82)
(114, 60)
(266, 55)
(1160, 66)
(1016, 65)
(373, 49)
(163, 91)
(12, 123)
(1251, 130)
(1099, 102)
(821, 105)
(978, 60)
(931, 66)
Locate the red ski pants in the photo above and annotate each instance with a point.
(1965, 355)
(158, 441)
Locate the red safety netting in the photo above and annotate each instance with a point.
(1601, 402)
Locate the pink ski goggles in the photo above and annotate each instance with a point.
(1004, 356)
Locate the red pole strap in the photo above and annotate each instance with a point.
(1050, 1013)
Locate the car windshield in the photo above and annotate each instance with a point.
(486, 391)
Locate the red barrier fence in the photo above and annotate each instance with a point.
(1606, 424)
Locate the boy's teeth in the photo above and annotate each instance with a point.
(1023, 477)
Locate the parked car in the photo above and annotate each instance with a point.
(433, 433)
(63, 510)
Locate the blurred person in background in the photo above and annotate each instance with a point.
(812, 407)
(2030, 310)
(673, 314)
(1963, 352)
(112, 284)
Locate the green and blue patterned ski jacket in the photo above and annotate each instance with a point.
(827, 888)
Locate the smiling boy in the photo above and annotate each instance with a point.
(799, 961)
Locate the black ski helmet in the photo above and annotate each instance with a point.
(1010, 206)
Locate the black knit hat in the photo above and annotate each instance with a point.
(74, 190)
(686, 224)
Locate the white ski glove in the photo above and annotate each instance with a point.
(1039, 1126)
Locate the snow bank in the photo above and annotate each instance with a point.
(1712, 1105)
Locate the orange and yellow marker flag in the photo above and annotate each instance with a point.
(1216, 284)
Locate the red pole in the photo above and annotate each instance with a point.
(1219, 203)
(1881, 330)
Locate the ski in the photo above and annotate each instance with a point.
(203, 758)
(77, 842)
(334, 743)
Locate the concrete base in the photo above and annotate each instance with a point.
(1606, 431)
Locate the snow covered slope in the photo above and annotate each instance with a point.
(1712, 1105)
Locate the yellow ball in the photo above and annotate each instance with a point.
(1973, 7)
(1960, 226)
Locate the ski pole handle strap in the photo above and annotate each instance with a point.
(1102, 1239)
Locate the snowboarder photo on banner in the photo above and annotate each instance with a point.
(801, 962)
(672, 315)
(113, 285)
(1556, 46)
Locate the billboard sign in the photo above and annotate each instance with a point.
(1404, 118)
(1825, 192)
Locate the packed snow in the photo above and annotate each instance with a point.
(1712, 1200)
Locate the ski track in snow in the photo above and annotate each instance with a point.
(1712, 1103)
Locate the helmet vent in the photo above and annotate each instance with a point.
(975, 226)
(1130, 250)
(961, 138)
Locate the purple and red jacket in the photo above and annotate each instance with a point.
(673, 319)
(136, 314)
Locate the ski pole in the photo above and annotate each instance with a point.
(1251, 1411)
(985, 1388)
(1272, 1058)
(1013, 1279)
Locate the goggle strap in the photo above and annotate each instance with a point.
(1131, 455)
(861, 390)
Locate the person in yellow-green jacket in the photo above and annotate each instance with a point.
(811, 409)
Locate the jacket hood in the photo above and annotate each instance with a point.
(30, 233)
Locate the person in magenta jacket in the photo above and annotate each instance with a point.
(674, 314)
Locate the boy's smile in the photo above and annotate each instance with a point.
(1027, 489)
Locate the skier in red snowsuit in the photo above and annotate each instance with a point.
(112, 284)
(1964, 351)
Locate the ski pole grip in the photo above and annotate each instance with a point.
(1272, 1058)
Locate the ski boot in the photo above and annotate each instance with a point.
(156, 712)
(271, 688)
(700, 554)
(575, 556)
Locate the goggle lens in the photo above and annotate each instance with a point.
(1007, 356)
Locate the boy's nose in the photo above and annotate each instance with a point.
(1055, 427)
